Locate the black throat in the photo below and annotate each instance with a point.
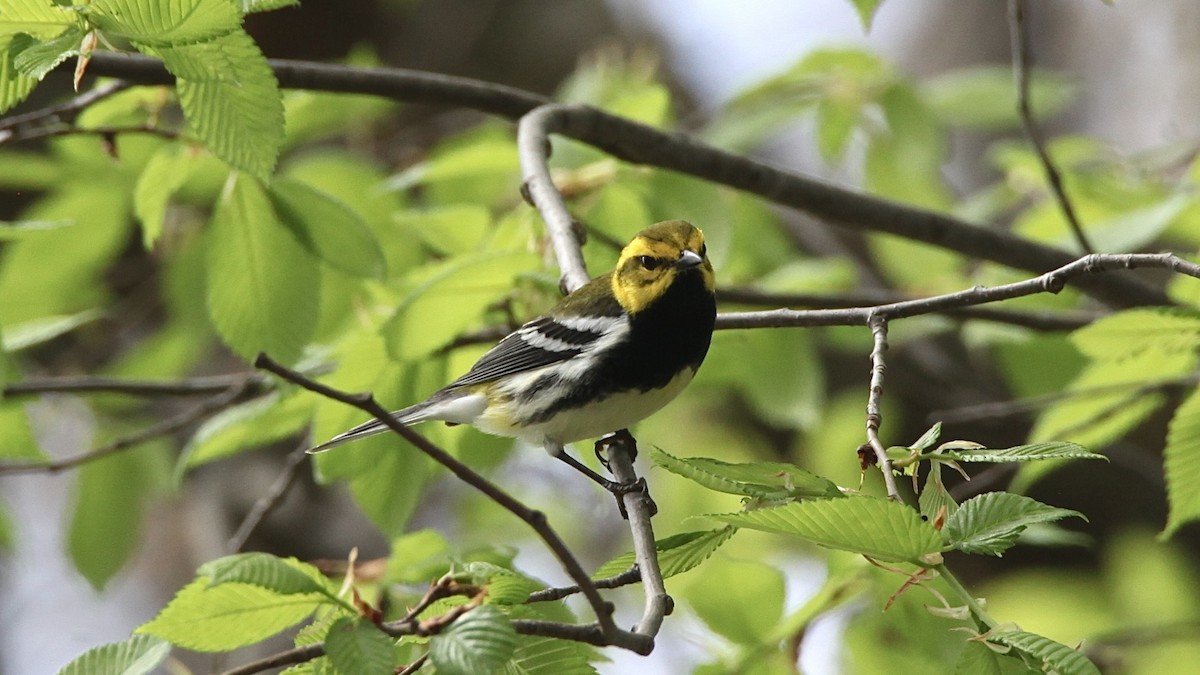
(670, 334)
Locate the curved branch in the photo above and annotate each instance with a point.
(879, 328)
(641, 144)
(1051, 282)
(533, 147)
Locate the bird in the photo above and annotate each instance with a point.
(608, 355)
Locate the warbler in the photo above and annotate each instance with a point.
(608, 355)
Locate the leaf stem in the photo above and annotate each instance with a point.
(984, 620)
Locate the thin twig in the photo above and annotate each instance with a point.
(284, 658)
(105, 132)
(1022, 59)
(536, 520)
(1032, 319)
(162, 428)
(269, 500)
(640, 144)
(416, 665)
(64, 112)
(196, 386)
(629, 576)
(1050, 282)
(879, 328)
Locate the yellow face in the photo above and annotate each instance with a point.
(656, 256)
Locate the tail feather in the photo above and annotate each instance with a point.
(449, 405)
(405, 416)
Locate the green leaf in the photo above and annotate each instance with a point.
(504, 586)
(107, 517)
(14, 86)
(878, 528)
(230, 99)
(469, 283)
(836, 122)
(928, 438)
(226, 617)
(7, 534)
(1129, 333)
(765, 480)
(748, 362)
(35, 58)
(979, 659)
(16, 436)
(990, 523)
(677, 553)
(247, 426)
(866, 11)
(328, 228)
(166, 172)
(357, 647)
(250, 6)
(139, 655)
(39, 18)
(40, 331)
(739, 599)
(480, 641)
(934, 495)
(165, 23)
(985, 97)
(279, 575)
(1181, 460)
(262, 286)
(549, 656)
(1023, 453)
(1054, 657)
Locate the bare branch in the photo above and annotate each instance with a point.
(638, 508)
(284, 658)
(1022, 67)
(1032, 319)
(533, 147)
(641, 144)
(629, 576)
(64, 112)
(167, 426)
(105, 132)
(196, 386)
(874, 409)
(267, 503)
(1050, 282)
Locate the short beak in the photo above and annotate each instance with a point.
(688, 259)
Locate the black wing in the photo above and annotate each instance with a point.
(541, 342)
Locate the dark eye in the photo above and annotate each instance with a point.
(703, 250)
(649, 262)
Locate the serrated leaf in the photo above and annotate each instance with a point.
(1055, 657)
(231, 100)
(39, 331)
(328, 228)
(167, 171)
(279, 575)
(247, 426)
(1181, 462)
(165, 23)
(928, 438)
(35, 58)
(14, 86)
(480, 641)
(228, 616)
(979, 659)
(250, 6)
(357, 647)
(504, 586)
(879, 528)
(39, 18)
(677, 553)
(138, 655)
(262, 286)
(1125, 334)
(765, 480)
(990, 523)
(549, 656)
(1023, 453)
